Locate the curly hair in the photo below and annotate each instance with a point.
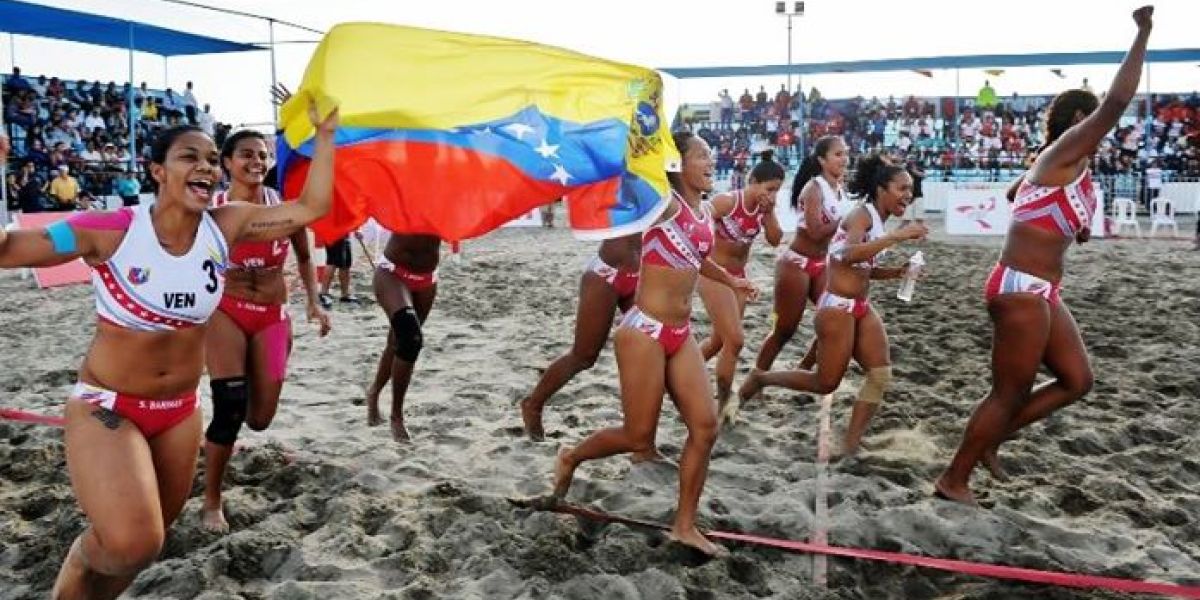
(873, 172)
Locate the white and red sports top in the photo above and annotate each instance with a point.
(837, 246)
(681, 242)
(143, 288)
(740, 225)
(257, 254)
(1061, 209)
(830, 203)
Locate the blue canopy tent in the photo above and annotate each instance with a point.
(976, 61)
(24, 18)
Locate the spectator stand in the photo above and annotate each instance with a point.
(22, 18)
(957, 139)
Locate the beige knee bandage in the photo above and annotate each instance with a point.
(877, 382)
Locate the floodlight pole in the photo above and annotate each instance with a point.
(797, 10)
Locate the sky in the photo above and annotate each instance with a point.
(653, 33)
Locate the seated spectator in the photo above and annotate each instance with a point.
(96, 94)
(30, 192)
(64, 190)
(111, 96)
(128, 189)
(78, 94)
(37, 153)
(94, 121)
(150, 109)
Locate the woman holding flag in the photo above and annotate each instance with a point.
(132, 429)
(655, 349)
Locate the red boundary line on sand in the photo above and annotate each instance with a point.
(944, 564)
(22, 416)
(956, 566)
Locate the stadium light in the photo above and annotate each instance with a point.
(797, 10)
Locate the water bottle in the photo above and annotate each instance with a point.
(909, 284)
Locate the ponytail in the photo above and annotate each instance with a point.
(811, 167)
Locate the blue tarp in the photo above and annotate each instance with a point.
(24, 18)
(978, 61)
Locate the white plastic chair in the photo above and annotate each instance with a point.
(1162, 213)
(1125, 213)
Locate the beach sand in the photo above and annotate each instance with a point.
(321, 506)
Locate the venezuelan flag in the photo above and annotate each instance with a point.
(454, 135)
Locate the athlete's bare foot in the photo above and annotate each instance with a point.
(651, 456)
(960, 495)
(751, 386)
(564, 471)
(692, 537)
(373, 416)
(532, 417)
(991, 460)
(213, 519)
(729, 411)
(399, 433)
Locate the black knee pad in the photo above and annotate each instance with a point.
(230, 399)
(406, 328)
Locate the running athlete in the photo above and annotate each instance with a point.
(405, 286)
(250, 335)
(846, 324)
(739, 216)
(132, 428)
(609, 282)
(655, 349)
(800, 271)
(1052, 207)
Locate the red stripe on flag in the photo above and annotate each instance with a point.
(453, 192)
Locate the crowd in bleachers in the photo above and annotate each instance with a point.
(70, 140)
(986, 136)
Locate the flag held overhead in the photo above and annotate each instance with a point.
(454, 135)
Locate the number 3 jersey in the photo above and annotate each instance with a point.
(144, 288)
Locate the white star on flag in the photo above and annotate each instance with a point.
(518, 129)
(547, 150)
(560, 175)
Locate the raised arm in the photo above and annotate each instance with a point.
(258, 222)
(1082, 138)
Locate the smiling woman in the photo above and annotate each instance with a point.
(250, 335)
(159, 272)
(847, 325)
